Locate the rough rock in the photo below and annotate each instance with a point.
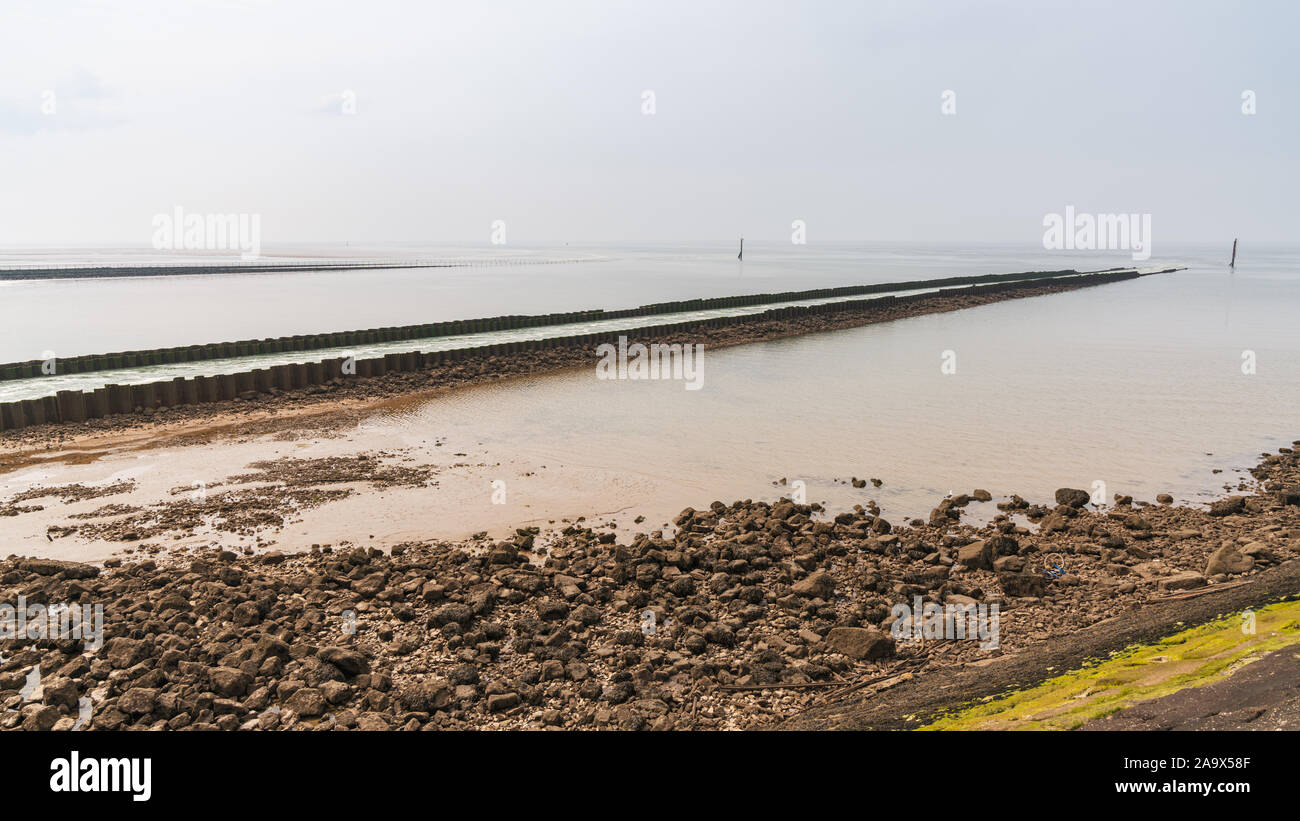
(860, 643)
(1073, 497)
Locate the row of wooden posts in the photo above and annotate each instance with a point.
(35, 368)
(78, 406)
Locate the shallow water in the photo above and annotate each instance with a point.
(98, 315)
(1137, 384)
(11, 390)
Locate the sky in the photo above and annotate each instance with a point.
(426, 122)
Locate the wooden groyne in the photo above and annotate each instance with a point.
(32, 369)
(78, 406)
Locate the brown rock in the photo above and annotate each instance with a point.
(1228, 559)
(976, 555)
(122, 652)
(372, 722)
(1022, 584)
(426, 696)
(349, 661)
(42, 719)
(502, 702)
(307, 702)
(138, 701)
(60, 692)
(819, 585)
(1072, 496)
(860, 643)
(336, 692)
(50, 567)
(1228, 507)
(229, 682)
(1186, 580)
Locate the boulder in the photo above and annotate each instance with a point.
(351, 662)
(372, 722)
(1054, 523)
(41, 719)
(1228, 507)
(229, 682)
(1259, 551)
(1012, 564)
(976, 555)
(1072, 496)
(860, 643)
(425, 696)
(246, 613)
(307, 702)
(336, 692)
(1228, 559)
(818, 585)
(502, 701)
(50, 567)
(1022, 584)
(370, 585)
(1184, 580)
(1134, 521)
(122, 652)
(60, 692)
(1288, 496)
(138, 701)
(1003, 545)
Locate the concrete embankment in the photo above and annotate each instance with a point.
(78, 406)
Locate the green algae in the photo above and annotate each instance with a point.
(1191, 658)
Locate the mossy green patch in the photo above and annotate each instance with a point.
(1191, 658)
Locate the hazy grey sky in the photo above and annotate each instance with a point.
(531, 112)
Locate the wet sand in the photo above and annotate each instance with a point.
(738, 616)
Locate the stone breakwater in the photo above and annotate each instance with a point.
(741, 615)
(118, 405)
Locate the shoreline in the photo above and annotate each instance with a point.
(739, 616)
(746, 615)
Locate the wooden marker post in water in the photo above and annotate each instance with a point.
(741, 255)
(1233, 264)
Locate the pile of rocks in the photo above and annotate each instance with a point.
(737, 616)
